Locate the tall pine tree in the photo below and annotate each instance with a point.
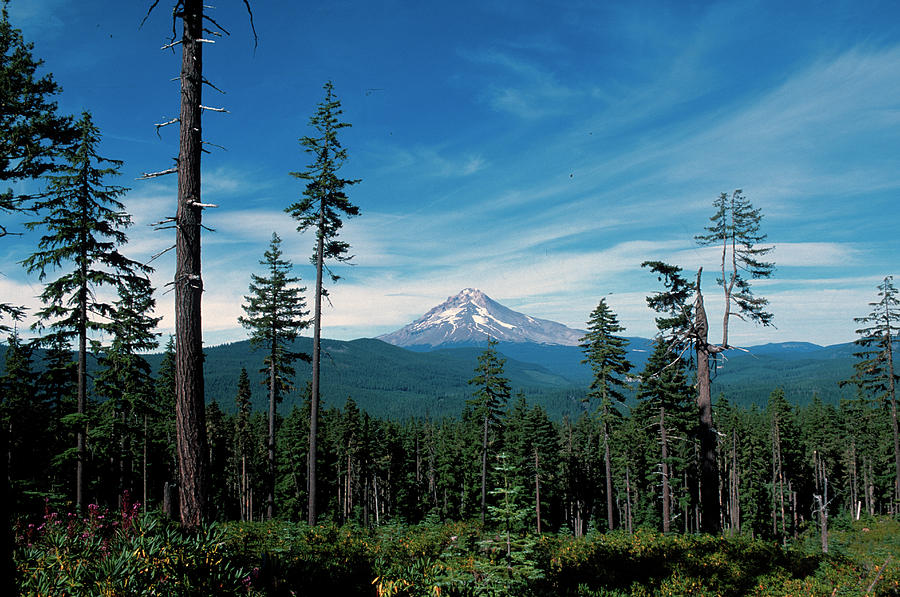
(323, 203)
(874, 369)
(490, 398)
(84, 226)
(275, 312)
(605, 353)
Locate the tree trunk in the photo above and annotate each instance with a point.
(82, 389)
(314, 390)
(537, 489)
(709, 466)
(892, 395)
(189, 398)
(607, 463)
(270, 494)
(666, 505)
(484, 470)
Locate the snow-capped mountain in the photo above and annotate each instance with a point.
(471, 317)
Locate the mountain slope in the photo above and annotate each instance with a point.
(470, 318)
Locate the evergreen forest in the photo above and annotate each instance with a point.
(281, 467)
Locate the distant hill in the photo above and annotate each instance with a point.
(390, 381)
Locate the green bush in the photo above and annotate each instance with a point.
(126, 554)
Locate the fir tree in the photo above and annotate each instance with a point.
(605, 353)
(735, 227)
(874, 369)
(664, 390)
(84, 225)
(490, 399)
(275, 316)
(124, 380)
(323, 203)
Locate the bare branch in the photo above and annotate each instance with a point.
(215, 145)
(211, 109)
(160, 254)
(147, 175)
(171, 45)
(206, 82)
(196, 204)
(168, 220)
(149, 10)
(252, 26)
(205, 41)
(207, 228)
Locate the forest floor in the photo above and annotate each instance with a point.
(135, 554)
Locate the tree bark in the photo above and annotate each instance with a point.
(270, 494)
(709, 466)
(189, 397)
(314, 391)
(666, 505)
(484, 470)
(607, 463)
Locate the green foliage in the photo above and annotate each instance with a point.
(124, 554)
(605, 352)
(324, 198)
(275, 311)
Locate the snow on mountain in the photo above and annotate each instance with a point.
(471, 317)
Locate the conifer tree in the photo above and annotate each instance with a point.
(323, 203)
(84, 223)
(31, 132)
(275, 311)
(24, 420)
(663, 388)
(242, 437)
(124, 379)
(735, 228)
(874, 369)
(605, 353)
(490, 399)
(58, 389)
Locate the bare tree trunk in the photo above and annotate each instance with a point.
(628, 510)
(607, 464)
(892, 395)
(82, 388)
(537, 489)
(709, 466)
(189, 398)
(666, 505)
(144, 466)
(484, 470)
(270, 481)
(314, 391)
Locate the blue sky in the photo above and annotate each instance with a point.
(538, 151)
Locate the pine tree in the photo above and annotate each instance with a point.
(31, 132)
(275, 312)
(24, 420)
(874, 369)
(324, 201)
(58, 389)
(124, 379)
(242, 437)
(605, 353)
(490, 399)
(735, 228)
(84, 225)
(663, 388)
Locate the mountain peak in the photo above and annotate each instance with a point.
(471, 317)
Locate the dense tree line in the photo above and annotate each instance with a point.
(632, 466)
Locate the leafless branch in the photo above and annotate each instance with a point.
(206, 82)
(205, 41)
(147, 175)
(207, 228)
(215, 145)
(168, 220)
(211, 109)
(197, 204)
(252, 26)
(171, 45)
(149, 10)
(160, 254)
